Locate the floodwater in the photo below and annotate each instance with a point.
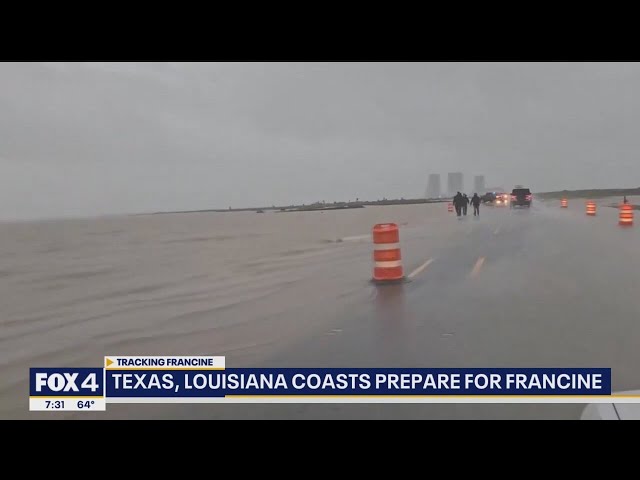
(73, 291)
(546, 287)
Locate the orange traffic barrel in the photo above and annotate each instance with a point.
(564, 203)
(626, 215)
(450, 207)
(591, 208)
(386, 253)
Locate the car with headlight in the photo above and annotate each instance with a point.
(502, 200)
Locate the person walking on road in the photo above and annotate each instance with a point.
(475, 201)
(457, 203)
(625, 201)
(465, 204)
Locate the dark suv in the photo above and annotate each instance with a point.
(521, 197)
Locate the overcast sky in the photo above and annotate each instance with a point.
(102, 138)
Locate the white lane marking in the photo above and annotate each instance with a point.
(477, 267)
(356, 238)
(421, 268)
(497, 231)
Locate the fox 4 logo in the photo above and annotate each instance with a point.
(66, 381)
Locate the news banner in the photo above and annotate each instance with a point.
(204, 379)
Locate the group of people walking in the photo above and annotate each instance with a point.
(461, 202)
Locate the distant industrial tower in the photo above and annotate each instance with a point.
(478, 184)
(455, 183)
(433, 186)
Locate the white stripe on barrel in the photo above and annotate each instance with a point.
(388, 264)
(383, 247)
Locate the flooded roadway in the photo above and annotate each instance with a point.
(539, 288)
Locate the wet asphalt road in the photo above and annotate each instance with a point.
(526, 288)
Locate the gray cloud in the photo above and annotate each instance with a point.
(100, 138)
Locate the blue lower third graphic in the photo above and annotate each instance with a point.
(292, 382)
(66, 382)
(66, 389)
